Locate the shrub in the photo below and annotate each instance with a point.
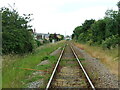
(16, 34)
(38, 43)
(111, 42)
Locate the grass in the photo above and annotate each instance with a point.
(107, 57)
(43, 67)
(66, 62)
(82, 59)
(12, 74)
(37, 77)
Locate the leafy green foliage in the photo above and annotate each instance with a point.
(81, 32)
(111, 41)
(16, 32)
(118, 4)
(98, 31)
(38, 43)
(102, 32)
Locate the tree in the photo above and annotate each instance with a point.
(81, 33)
(87, 24)
(16, 37)
(118, 4)
(103, 32)
(98, 31)
(77, 32)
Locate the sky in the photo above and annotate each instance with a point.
(60, 16)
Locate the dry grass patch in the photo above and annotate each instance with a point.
(107, 57)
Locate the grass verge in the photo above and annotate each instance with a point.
(107, 57)
(12, 74)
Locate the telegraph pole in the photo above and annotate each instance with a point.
(65, 35)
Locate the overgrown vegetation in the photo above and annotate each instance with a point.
(103, 32)
(38, 43)
(19, 49)
(108, 57)
(16, 33)
(101, 38)
(13, 74)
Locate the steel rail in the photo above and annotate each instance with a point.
(50, 80)
(48, 85)
(83, 69)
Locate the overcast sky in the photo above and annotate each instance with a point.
(61, 16)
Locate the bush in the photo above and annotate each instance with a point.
(111, 42)
(38, 43)
(16, 34)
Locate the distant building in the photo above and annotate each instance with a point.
(41, 36)
(59, 36)
(68, 37)
(46, 36)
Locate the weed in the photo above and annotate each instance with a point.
(43, 67)
(107, 57)
(81, 59)
(12, 72)
(32, 79)
(66, 62)
(45, 58)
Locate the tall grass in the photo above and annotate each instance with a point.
(12, 72)
(109, 57)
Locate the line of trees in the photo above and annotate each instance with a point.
(103, 32)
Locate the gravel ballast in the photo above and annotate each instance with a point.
(98, 72)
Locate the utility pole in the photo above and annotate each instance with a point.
(65, 35)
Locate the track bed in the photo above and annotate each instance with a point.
(69, 74)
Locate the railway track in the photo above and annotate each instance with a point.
(69, 72)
